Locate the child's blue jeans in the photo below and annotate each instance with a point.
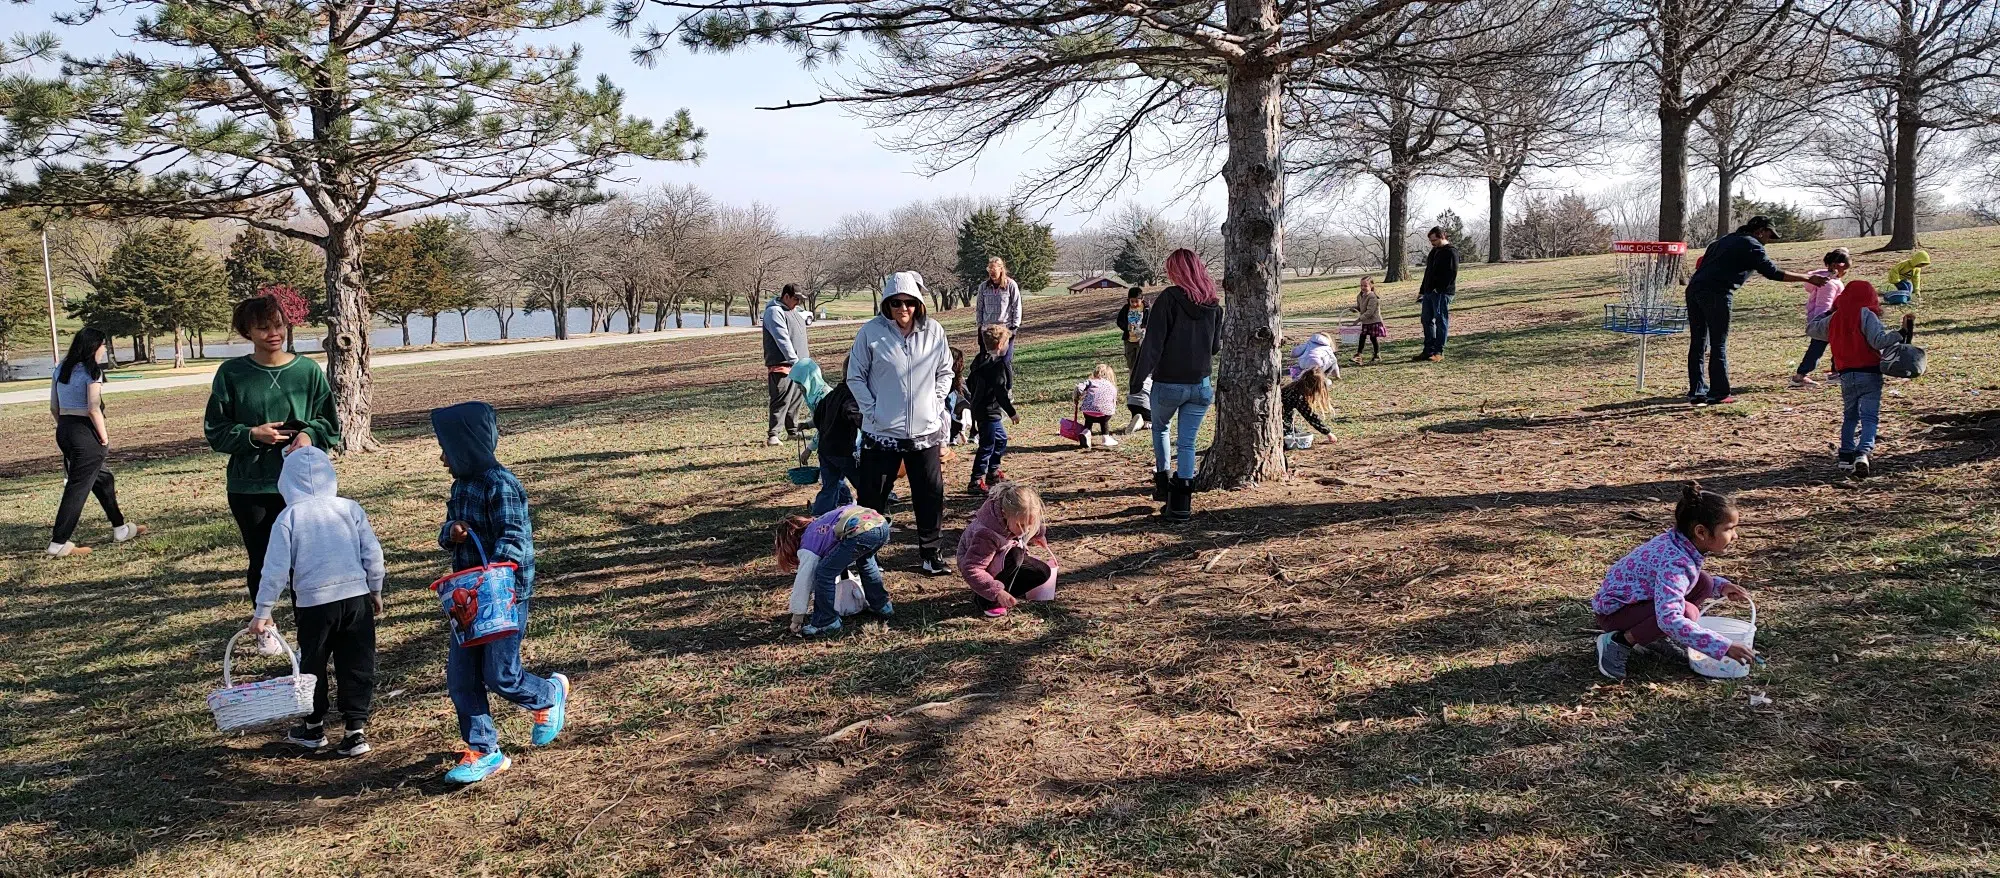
(1186, 405)
(1861, 408)
(835, 472)
(992, 446)
(472, 671)
(858, 553)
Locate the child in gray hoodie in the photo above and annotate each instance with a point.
(324, 551)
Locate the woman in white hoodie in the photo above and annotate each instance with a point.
(899, 372)
(325, 552)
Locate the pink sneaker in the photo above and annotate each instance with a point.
(996, 612)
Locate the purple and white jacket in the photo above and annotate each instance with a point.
(1662, 571)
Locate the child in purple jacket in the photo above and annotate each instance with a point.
(1656, 592)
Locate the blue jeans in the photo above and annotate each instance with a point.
(992, 446)
(835, 473)
(1708, 339)
(1436, 317)
(472, 671)
(857, 552)
(1861, 408)
(1811, 359)
(1186, 405)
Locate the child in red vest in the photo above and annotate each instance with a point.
(1856, 336)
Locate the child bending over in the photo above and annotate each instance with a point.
(1096, 400)
(1655, 593)
(1310, 395)
(993, 552)
(818, 551)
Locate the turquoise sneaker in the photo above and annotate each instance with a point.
(549, 720)
(474, 767)
(811, 630)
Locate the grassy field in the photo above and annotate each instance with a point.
(1378, 667)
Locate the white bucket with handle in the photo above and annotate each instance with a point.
(1735, 631)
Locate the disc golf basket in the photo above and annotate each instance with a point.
(1647, 270)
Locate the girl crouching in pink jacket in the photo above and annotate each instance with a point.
(993, 553)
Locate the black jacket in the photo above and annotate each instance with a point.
(1440, 272)
(1728, 262)
(1124, 328)
(1294, 398)
(1182, 339)
(838, 420)
(991, 387)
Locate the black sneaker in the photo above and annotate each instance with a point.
(934, 565)
(354, 743)
(307, 735)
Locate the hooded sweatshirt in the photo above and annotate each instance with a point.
(806, 374)
(1855, 333)
(322, 547)
(1819, 299)
(983, 548)
(991, 387)
(1911, 269)
(1318, 353)
(1182, 339)
(900, 381)
(484, 494)
(785, 340)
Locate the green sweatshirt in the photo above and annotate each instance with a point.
(245, 395)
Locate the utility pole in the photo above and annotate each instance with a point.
(49, 283)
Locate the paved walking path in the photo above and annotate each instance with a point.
(39, 393)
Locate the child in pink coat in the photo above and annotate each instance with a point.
(993, 552)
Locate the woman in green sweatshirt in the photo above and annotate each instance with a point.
(260, 407)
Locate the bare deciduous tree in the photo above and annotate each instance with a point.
(1747, 129)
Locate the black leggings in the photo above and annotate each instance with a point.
(84, 474)
(254, 515)
(343, 631)
(926, 469)
(1022, 573)
(1370, 342)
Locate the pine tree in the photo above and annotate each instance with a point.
(21, 292)
(158, 278)
(1030, 250)
(979, 238)
(1144, 254)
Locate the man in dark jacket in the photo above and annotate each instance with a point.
(1711, 291)
(785, 343)
(1439, 285)
(837, 419)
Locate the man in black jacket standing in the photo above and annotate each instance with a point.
(1439, 285)
(1710, 294)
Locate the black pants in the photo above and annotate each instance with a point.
(1708, 338)
(785, 399)
(1022, 573)
(343, 631)
(926, 468)
(84, 474)
(254, 515)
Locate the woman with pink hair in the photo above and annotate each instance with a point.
(1183, 334)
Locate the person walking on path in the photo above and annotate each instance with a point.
(76, 402)
(1434, 294)
(999, 302)
(1183, 335)
(785, 343)
(900, 372)
(260, 406)
(1131, 322)
(1711, 292)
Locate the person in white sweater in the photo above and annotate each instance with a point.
(325, 553)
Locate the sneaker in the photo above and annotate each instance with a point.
(354, 743)
(811, 630)
(1727, 400)
(774, 441)
(1421, 357)
(1611, 656)
(67, 550)
(1435, 358)
(1697, 401)
(1354, 362)
(976, 487)
(1845, 465)
(549, 720)
(995, 613)
(996, 477)
(886, 610)
(1110, 441)
(934, 565)
(474, 767)
(269, 644)
(1861, 466)
(311, 736)
(127, 531)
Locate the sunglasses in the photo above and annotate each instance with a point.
(899, 303)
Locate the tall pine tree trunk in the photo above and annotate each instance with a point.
(1394, 254)
(1496, 220)
(347, 338)
(1249, 439)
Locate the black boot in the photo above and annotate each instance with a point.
(1160, 486)
(1180, 500)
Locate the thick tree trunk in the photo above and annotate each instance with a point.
(1673, 175)
(1725, 190)
(1496, 220)
(1249, 437)
(1903, 234)
(347, 338)
(1395, 250)
(559, 313)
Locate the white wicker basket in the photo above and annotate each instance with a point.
(262, 704)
